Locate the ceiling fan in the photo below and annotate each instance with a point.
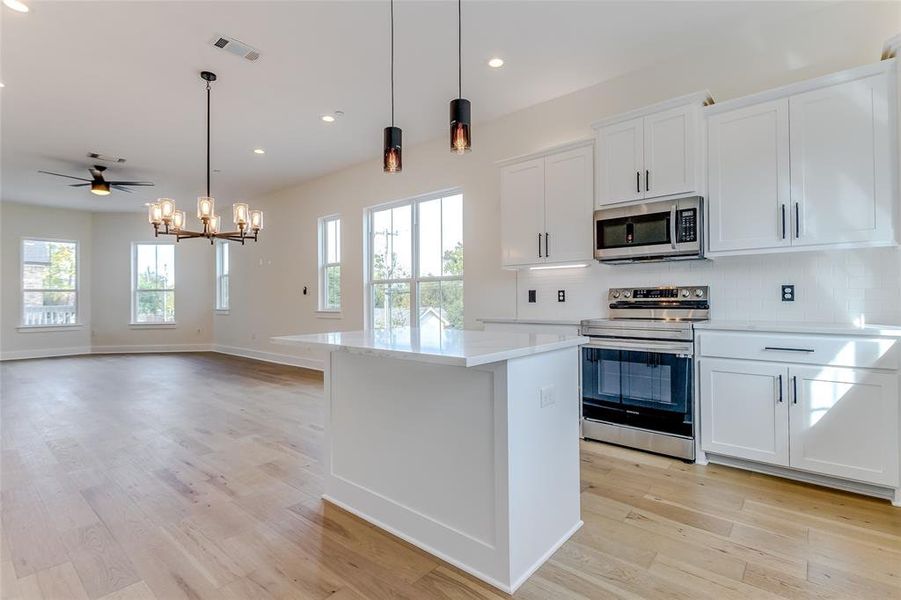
(99, 185)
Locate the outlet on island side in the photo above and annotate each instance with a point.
(561, 295)
(788, 292)
(532, 296)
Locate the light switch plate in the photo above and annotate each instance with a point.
(546, 396)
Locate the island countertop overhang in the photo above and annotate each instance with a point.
(460, 348)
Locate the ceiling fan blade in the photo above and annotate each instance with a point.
(120, 188)
(79, 184)
(61, 175)
(129, 182)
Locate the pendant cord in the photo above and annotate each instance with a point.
(208, 139)
(392, 63)
(460, 48)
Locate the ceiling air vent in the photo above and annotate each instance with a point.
(236, 47)
(105, 158)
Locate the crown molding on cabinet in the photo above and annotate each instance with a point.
(702, 97)
(802, 86)
(546, 152)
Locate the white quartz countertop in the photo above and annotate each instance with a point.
(462, 348)
(531, 321)
(804, 328)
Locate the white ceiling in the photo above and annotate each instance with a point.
(122, 78)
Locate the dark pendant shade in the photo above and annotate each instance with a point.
(460, 119)
(393, 162)
(101, 188)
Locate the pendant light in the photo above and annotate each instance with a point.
(460, 110)
(392, 159)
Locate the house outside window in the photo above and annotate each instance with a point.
(49, 283)
(330, 264)
(153, 283)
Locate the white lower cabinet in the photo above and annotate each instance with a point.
(744, 412)
(844, 422)
(835, 421)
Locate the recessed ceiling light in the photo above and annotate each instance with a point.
(16, 5)
(2, 85)
(328, 118)
(259, 151)
(496, 63)
(332, 117)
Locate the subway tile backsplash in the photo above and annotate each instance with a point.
(835, 286)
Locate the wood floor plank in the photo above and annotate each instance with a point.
(204, 494)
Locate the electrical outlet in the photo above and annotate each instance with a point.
(561, 295)
(546, 396)
(788, 292)
(532, 296)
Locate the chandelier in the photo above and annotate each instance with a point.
(167, 220)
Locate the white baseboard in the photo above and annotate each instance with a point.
(273, 357)
(151, 348)
(44, 353)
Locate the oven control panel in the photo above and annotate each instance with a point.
(663, 294)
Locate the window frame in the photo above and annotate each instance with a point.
(322, 233)
(222, 246)
(134, 323)
(415, 279)
(59, 327)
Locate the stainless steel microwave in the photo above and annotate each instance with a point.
(662, 230)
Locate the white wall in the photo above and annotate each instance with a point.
(104, 285)
(19, 221)
(111, 309)
(268, 279)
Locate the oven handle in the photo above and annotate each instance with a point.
(662, 347)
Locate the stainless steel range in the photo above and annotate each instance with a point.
(638, 369)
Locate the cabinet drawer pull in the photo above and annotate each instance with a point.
(539, 245)
(547, 238)
(779, 397)
(781, 349)
(794, 389)
(647, 181)
(638, 181)
(798, 220)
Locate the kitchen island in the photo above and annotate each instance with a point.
(463, 443)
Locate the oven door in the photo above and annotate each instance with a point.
(643, 384)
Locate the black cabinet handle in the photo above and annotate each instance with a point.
(638, 181)
(784, 349)
(794, 389)
(779, 399)
(647, 180)
(539, 245)
(783, 221)
(797, 220)
(547, 238)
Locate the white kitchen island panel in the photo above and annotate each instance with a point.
(476, 465)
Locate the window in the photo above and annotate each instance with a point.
(221, 275)
(153, 283)
(416, 264)
(49, 283)
(330, 263)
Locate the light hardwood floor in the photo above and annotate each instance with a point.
(197, 476)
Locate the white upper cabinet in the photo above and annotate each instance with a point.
(749, 187)
(621, 162)
(546, 207)
(568, 200)
(841, 169)
(651, 152)
(811, 165)
(522, 212)
(669, 152)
